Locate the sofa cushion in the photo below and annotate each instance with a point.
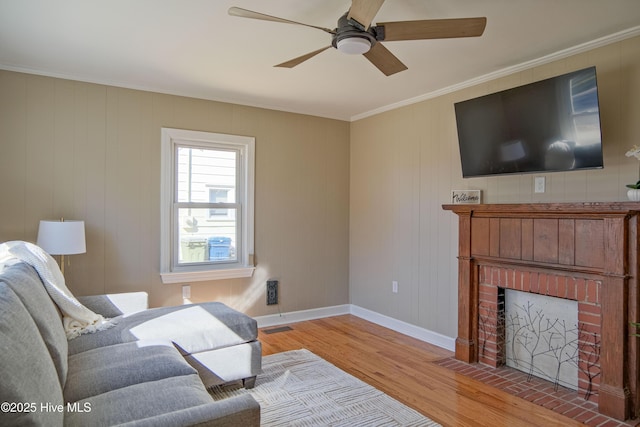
(114, 305)
(140, 401)
(25, 282)
(103, 369)
(241, 410)
(27, 373)
(193, 328)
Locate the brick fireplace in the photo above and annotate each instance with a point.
(493, 280)
(587, 252)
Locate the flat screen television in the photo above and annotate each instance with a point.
(547, 126)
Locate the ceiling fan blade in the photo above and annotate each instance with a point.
(433, 29)
(295, 61)
(384, 60)
(245, 13)
(363, 11)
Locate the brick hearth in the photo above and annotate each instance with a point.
(562, 400)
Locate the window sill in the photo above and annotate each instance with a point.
(201, 276)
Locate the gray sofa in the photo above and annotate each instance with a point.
(151, 369)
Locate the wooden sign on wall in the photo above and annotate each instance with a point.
(465, 197)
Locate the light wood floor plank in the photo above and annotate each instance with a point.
(404, 368)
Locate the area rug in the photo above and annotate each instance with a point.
(298, 388)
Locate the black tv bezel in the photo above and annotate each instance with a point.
(523, 88)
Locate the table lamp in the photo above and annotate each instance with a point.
(62, 238)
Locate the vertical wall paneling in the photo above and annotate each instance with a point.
(13, 138)
(92, 152)
(375, 170)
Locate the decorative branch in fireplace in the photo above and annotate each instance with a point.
(536, 336)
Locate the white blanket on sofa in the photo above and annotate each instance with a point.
(76, 318)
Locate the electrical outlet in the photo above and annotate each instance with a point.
(538, 186)
(272, 292)
(394, 287)
(186, 291)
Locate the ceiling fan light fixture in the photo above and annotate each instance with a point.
(354, 45)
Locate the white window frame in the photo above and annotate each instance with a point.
(243, 267)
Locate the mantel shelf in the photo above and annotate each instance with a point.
(582, 208)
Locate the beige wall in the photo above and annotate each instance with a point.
(92, 152)
(404, 164)
(334, 224)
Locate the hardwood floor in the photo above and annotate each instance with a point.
(404, 368)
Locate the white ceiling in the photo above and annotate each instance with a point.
(194, 48)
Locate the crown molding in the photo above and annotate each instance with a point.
(561, 54)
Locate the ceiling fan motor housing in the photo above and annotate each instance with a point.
(348, 31)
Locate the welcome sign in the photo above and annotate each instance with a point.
(465, 197)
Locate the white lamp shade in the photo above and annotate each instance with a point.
(62, 237)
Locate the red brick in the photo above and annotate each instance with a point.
(585, 416)
(487, 361)
(593, 319)
(487, 304)
(562, 287)
(572, 284)
(583, 378)
(587, 332)
(489, 347)
(594, 309)
(598, 420)
(564, 407)
(552, 286)
(551, 403)
(592, 291)
(526, 281)
(518, 279)
(610, 423)
(534, 282)
(543, 280)
(495, 276)
(572, 413)
(581, 290)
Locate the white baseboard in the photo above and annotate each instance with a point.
(405, 328)
(300, 316)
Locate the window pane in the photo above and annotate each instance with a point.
(204, 238)
(201, 170)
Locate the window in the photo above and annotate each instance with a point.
(219, 195)
(207, 206)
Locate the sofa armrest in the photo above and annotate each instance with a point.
(113, 305)
(240, 410)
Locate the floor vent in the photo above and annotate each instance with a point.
(276, 330)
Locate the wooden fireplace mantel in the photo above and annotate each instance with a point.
(597, 241)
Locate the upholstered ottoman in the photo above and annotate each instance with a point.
(220, 342)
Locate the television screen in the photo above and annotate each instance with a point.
(547, 126)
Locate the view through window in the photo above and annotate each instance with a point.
(207, 205)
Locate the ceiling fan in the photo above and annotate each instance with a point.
(355, 34)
